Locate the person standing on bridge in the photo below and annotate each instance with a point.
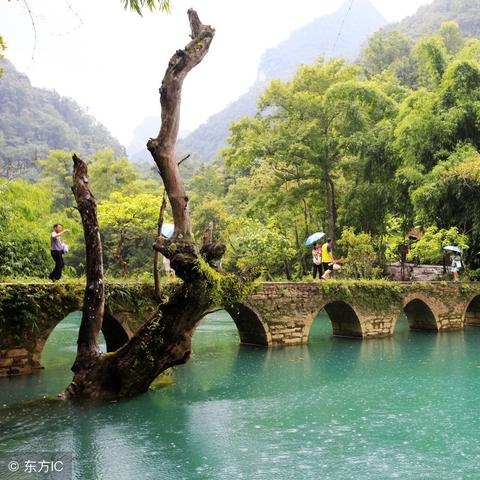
(456, 266)
(317, 260)
(327, 259)
(57, 249)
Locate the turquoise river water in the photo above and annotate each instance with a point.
(405, 407)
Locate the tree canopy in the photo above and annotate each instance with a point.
(365, 152)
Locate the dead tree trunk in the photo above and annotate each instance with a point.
(165, 339)
(88, 351)
(162, 148)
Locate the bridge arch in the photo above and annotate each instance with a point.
(471, 315)
(420, 313)
(113, 331)
(344, 318)
(251, 327)
(115, 334)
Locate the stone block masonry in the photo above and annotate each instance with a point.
(275, 314)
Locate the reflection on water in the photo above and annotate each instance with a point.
(401, 407)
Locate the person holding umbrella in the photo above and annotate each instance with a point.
(316, 252)
(456, 259)
(317, 260)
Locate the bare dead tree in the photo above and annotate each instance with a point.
(88, 351)
(165, 339)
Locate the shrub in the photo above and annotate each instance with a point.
(24, 257)
(360, 259)
(429, 248)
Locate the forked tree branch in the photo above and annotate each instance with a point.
(162, 148)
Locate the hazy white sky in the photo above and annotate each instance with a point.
(112, 61)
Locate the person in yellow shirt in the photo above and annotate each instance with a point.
(327, 259)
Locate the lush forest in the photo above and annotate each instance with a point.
(368, 152)
(428, 17)
(35, 120)
(318, 38)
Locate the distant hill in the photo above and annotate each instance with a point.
(137, 149)
(204, 142)
(35, 120)
(339, 34)
(429, 17)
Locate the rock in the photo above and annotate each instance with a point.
(17, 352)
(5, 362)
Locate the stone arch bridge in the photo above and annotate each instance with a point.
(275, 314)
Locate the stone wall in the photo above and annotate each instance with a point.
(275, 314)
(415, 273)
(363, 309)
(30, 312)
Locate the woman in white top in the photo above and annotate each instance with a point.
(317, 260)
(57, 248)
(456, 266)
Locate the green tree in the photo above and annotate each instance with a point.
(470, 50)
(372, 192)
(450, 195)
(128, 227)
(385, 48)
(110, 174)
(253, 245)
(421, 132)
(460, 101)
(429, 249)
(452, 37)
(431, 57)
(56, 175)
(309, 126)
(359, 255)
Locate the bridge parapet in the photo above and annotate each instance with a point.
(275, 314)
(366, 309)
(30, 312)
(356, 309)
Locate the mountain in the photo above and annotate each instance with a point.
(35, 120)
(428, 18)
(339, 34)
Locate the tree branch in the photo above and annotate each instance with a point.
(162, 148)
(156, 273)
(183, 159)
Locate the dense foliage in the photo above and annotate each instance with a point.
(367, 152)
(128, 211)
(375, 150)
(34, 121)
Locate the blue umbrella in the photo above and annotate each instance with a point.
(314, 238)
(452, 248)
(167, 229)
